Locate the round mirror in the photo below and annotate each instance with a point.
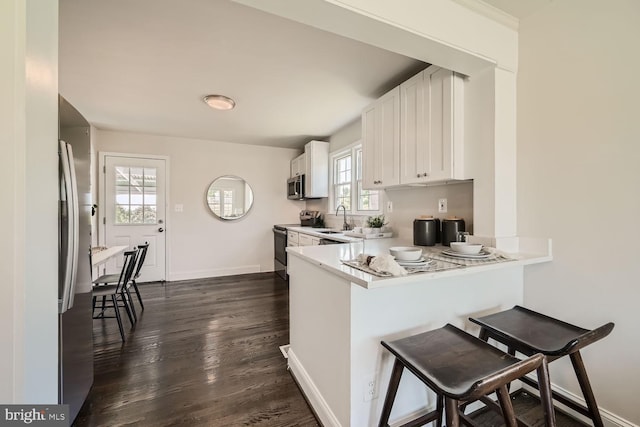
(229, 197)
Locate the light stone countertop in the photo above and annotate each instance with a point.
(330, 257)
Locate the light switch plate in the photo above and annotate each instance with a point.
(442, 205)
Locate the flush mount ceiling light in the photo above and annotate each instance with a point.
(219, 102)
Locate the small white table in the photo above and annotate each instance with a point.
(100, 256)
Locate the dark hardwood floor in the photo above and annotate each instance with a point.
(203, 353)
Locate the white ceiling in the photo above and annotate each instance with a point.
(144, 66)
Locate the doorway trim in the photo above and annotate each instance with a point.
(102, 155)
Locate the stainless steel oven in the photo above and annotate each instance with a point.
(280, 250)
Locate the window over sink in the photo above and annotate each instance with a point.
(346, 183)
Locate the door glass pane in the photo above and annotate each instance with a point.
(150, 196)
(122, 195)
(136, 176)
(122, 175)
(137, 213)
(150, 215)
(122, 214)
(149, 177)
(135, 195)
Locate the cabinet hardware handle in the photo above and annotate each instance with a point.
(425, 174)
(418, 176)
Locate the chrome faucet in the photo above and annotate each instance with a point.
(346, 225)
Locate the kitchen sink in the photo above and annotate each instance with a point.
(331, 232)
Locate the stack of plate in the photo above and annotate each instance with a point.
(420, 262)
(456, 254)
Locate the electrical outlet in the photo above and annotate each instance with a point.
(389, 206)
(178, 208)
(370, 388)
(442, 205)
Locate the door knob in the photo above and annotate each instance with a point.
(161, 229)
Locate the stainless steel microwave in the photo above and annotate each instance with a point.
(295, 188)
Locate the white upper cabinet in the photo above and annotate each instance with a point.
(381, 142)
(316, 182)
(425, 143)
(298, 165)
(414, 124)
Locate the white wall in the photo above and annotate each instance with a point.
(410, 203)
(199, 244)
(578, 181)
(28, 220)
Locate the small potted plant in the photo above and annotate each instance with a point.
(375, 223)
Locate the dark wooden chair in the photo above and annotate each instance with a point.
(530, 332)
(118, 293)
(460, 369)
(113, 278)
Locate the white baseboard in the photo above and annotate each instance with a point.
(320, 406)
(284, 349)
(609, 419)
(217, 272)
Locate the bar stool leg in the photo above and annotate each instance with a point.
(394, 382)
(546, 397)
(452, 418)
(585, 386)
(439, 409)
(507, 408)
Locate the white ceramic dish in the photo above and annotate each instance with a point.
(413, 261)
(406, 253)
(417, 263)
(466, 248)
(483, 254)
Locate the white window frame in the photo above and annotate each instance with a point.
(355, 196)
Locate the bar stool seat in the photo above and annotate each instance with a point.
(461, 368)
(530, 332)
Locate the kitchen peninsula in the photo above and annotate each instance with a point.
(339, 315)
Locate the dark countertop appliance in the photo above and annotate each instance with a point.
(426, 231)
(309, 218)
(450, 228)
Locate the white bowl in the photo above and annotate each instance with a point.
(466, 248)
(406, 253)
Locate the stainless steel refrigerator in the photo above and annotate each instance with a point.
(74, 283)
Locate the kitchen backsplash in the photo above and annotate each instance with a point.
(409, 203)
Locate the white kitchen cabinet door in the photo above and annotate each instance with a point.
(446, 131)
(381, 142)
(414, 124)
(316, 183)
(298, 165)
(431, 144)
(292, 238)
(305, 240)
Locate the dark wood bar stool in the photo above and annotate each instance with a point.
(461, 368)
(530, 332)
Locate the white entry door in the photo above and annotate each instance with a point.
(134, 209)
